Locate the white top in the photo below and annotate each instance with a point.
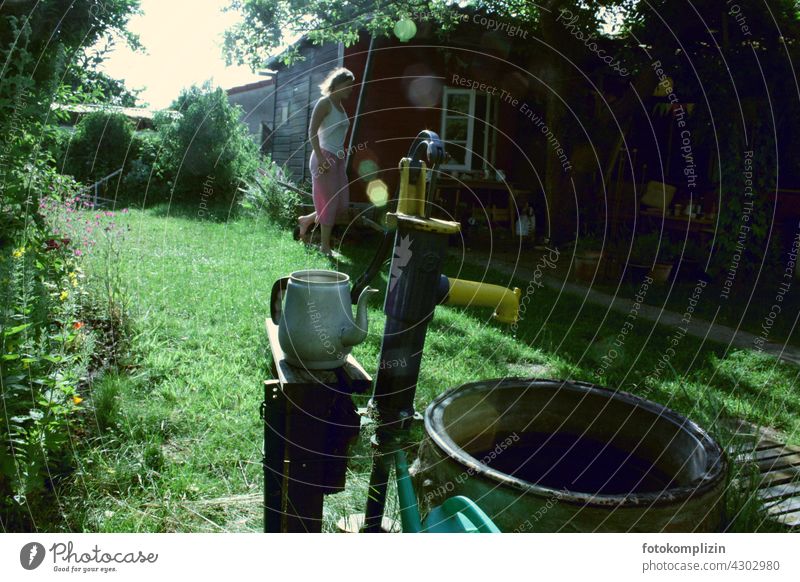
(523, 226)
(333, 129)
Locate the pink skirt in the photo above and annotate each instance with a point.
(330, 189)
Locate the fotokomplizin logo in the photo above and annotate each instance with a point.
(31, 555)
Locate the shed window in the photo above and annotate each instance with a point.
(469, 122)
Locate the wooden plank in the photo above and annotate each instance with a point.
(354, 374)
(791, 519)
(779, 464)
(779, 491)
(767, 454)
(786, 506)
(782, 462)
(780, 477)
(764, 444)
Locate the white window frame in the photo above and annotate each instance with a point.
(490, 120)
(470, 116)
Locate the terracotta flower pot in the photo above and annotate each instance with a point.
(659, 273)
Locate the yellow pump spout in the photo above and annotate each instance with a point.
(471, 293)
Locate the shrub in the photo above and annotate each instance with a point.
(207, 141)
(143, 179)
(265, 195)
(49, 328)
(101, 145)
(650, 247)
(42, 359)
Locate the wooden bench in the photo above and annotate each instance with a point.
(309, 423)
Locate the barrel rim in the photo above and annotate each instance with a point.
(709, 481)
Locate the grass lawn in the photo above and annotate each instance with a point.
(177, 438)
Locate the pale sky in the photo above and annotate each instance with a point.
(183, 44)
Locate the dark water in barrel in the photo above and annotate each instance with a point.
(576, 463)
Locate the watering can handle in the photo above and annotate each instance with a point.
(276, 299)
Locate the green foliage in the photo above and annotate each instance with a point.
(208, 141)
(55, 330)
(265, 195)
(101, 145)
(42, 359)
(45, 349)
(143, 179)
(91, 85)
(265, 22)
(650, 248)
(71, 23)
(745, 216)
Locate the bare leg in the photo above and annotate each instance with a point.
(305, 222)
(325, 247)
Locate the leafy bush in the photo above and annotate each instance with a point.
(100, 146)
(265, 195)
(50, 327)
(45, 347)
(143, 179)
(207, 141)
(42, 359)
(649, 247)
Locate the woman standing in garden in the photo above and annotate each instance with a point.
(327, 132)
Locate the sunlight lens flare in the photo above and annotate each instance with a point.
(378, 192)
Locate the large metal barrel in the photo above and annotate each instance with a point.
(547, 456)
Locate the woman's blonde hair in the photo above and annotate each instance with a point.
(334, 78)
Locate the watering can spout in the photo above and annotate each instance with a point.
(358, 332)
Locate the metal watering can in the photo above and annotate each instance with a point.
(316, 329)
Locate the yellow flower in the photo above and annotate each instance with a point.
(18, 252)
(63, 296)
(77, 399)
